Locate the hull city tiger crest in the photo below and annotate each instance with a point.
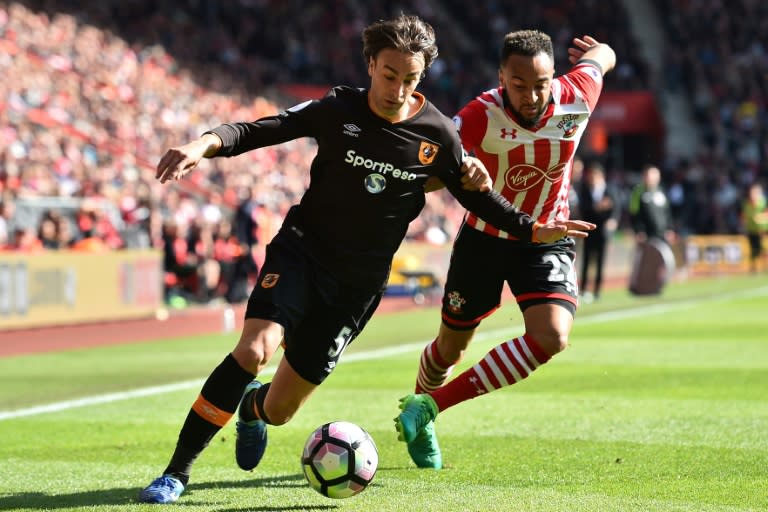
(269, 280)
(427, 152)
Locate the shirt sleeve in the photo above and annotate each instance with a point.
(293, 123)
(587, 77)
(471, 122)
(494, 209)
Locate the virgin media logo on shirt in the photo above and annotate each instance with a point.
(525, 176)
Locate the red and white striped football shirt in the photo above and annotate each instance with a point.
(531, 167)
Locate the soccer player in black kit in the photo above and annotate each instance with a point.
(326, 269)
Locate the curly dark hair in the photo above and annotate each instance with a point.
(527, 43)
(406, 33)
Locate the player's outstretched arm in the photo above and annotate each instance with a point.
(179, 161)
(555, 230)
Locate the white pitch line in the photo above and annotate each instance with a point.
(484, 336)
(100, 399)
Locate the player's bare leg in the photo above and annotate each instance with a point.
(550, 325)
(215, 405)
(258, 342)
(547, 330)
(273, 403)
(287, 393)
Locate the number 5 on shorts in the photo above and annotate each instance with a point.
(340, 343)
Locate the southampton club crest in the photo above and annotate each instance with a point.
(456, 302)
(569, 125)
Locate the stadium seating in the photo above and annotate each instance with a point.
(92, 97)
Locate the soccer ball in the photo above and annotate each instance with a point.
(339, 459)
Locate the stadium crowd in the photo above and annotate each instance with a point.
(92, 97)
(718, 56)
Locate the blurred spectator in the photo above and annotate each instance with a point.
(64, 234)
(245, 223)
(48, 233)
(755, 223)
(681, 201)
(200, 242)
(600, 204)
(649, 208)
(179, 264)
(227, 250)
(24, 239)
(726, 198)
(7, 211)
(245, 229)
(89, 242)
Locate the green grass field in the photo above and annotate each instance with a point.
(660, 404)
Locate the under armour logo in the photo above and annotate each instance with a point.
(476, 382)
(508, 134)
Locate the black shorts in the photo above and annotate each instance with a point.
(481, 264)
(321, 316)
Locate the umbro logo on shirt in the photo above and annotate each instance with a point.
(352, 130)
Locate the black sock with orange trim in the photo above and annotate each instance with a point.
(254, 405)
(216, 404)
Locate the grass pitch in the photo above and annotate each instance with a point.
(660, 404)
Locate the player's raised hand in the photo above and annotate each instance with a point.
(179, 161)
(475, 176)
(555, 230)
(580, 47)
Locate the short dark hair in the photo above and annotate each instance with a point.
(406, 33)
(527, 43)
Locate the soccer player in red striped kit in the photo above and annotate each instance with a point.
(526, 132)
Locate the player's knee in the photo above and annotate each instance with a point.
(562, 342)
(257, 344)
(251, 355)
(551, 341)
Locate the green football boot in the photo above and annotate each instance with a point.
(418, 412)
(424, 450)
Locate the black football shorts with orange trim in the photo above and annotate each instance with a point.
(481, 264)
(321, 315)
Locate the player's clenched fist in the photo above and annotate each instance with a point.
(475, 176)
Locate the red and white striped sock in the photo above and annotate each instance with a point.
(506, 364)
(433, 369)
